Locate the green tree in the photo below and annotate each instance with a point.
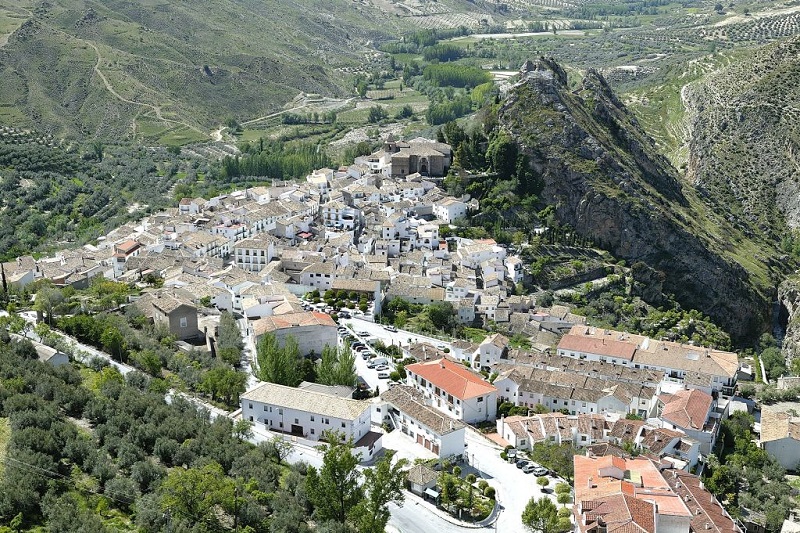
(335, 489)
(47, 298)
(223, 383)
(113, 342)
(382, 484)
(229, 340)
(279, 364)
(541, 516)
(376, 114)
(198, 493)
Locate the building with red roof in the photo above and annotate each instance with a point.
(627, 495)
(311, 330)
(693, 412)
(454, 390)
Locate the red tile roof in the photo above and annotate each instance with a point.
(127, 246)
(601, 346)
(290, 320)
(687, 408)
(453, 378)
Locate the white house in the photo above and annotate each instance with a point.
(454, 390)
(780, 437)
(255, 253)
(449, 209)
(491, 350)
(311, 330)
(319, 275)
(405, 408)
(690, 411)
(309, 414)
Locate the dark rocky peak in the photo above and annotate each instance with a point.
(543, 68)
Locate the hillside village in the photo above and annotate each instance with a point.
(645, 413)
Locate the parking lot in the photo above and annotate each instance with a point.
(369, 375)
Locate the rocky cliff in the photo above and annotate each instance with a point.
(606, 179)
(789, 300)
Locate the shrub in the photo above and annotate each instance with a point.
(543, 481)
(471, 478)
(564, 512)
(482, 484)
(504, 456)
(562, 488)
(457, 471)
(489, 492)
(564, 498)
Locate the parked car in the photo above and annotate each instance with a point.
(381, 368)
(365, 355)
(383, 375)
(530, 467)
(390, 328)
(539, 471)
(364, 333)
(522, 463)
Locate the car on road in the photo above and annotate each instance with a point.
(390, 328)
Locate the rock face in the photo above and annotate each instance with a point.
(789, 300)
(606, 180)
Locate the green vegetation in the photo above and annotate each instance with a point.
(745, 476)
(60, 195)
(280, 364)
(337, 366)
(541, 516)
(338, 496)
(555, 457)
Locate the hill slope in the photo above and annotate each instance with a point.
(607, 181)
(150, 68)
(744, 137)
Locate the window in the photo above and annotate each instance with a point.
(265, 408)
(296, 421)
(312, 431)
(250, 405)
(480, 399)
(312, 418)
(280, 411)
(184, 322)
(343, 424)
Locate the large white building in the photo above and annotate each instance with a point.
(454, 390)
(254, 253)
(310, 415)
(707, 369)
(405, 408)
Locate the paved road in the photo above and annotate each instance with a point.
(414, 517)
(514, 487)
(401, 337)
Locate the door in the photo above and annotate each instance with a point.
(419, 438)
(297, 430)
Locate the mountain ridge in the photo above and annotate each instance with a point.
(607, 181)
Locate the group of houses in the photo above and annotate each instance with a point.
(374, 228)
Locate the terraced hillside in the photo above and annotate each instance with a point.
(170, 71)
(744, 134)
